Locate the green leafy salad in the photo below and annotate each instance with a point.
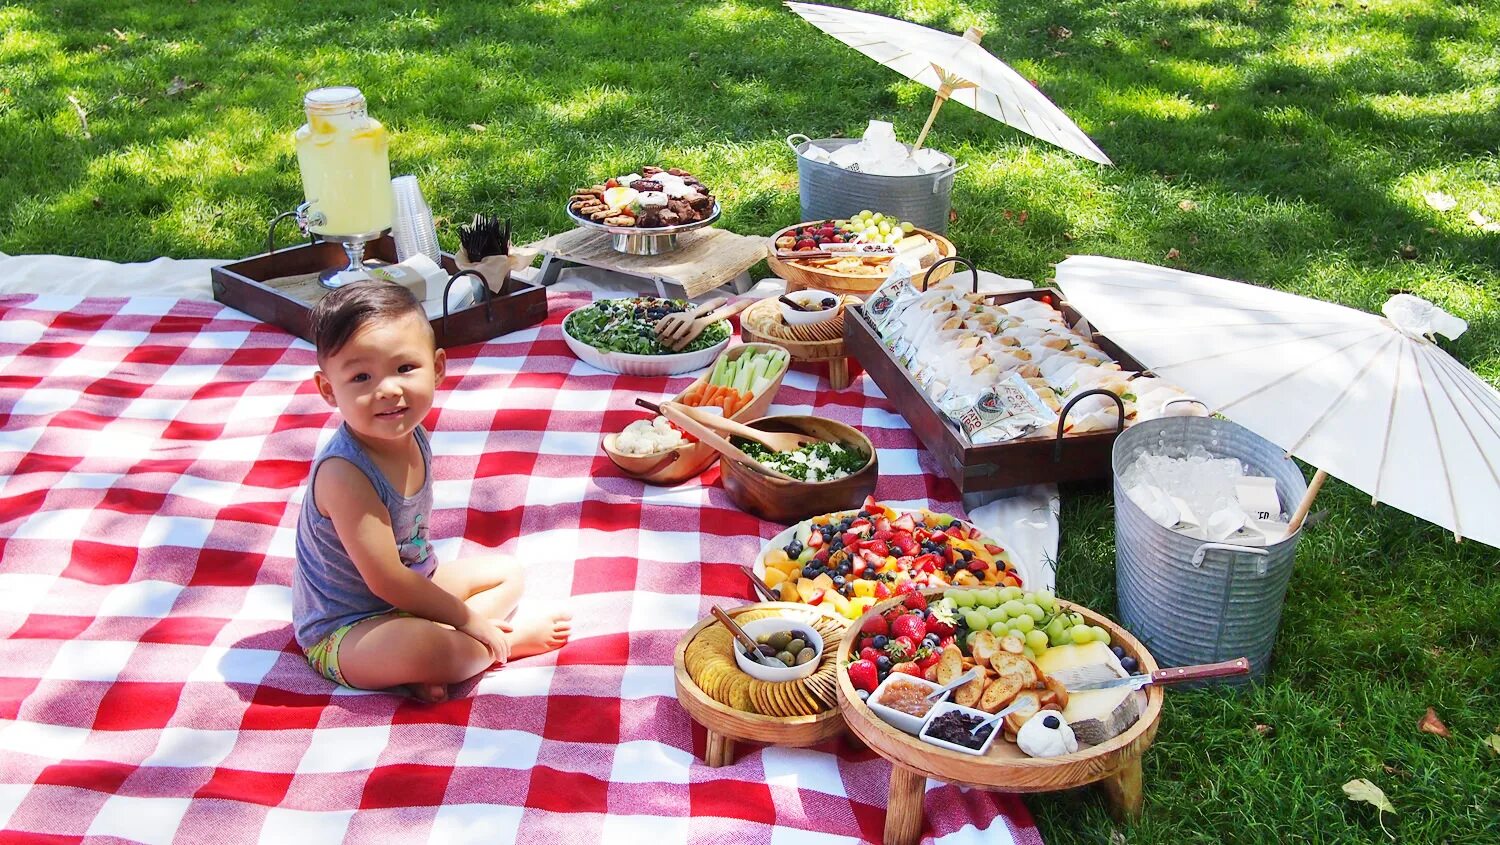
(629, 325)
(818, 462)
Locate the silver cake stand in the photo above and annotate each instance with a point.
(636, 240)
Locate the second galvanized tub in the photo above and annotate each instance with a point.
(1192, 601)
(830, 192)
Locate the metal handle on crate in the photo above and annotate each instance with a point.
(952, 259)
(484, 295)
(794, 145)
(1062, 417)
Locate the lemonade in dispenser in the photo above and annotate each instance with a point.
(344, 157)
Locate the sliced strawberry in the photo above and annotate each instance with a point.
(860, 523)
(815, 540)
(904, 545)
(871, 505)
(928, 563)
(956, 531)
(904, 522)
(908, 668)
(882, 533)
(939, 537)
(877, 547)
(993, 549)
(882, 524)
(818, 598)
(974, 533)
(822, 555)
(977, 565)
(882, 590)
(953, 555)
(858, 566)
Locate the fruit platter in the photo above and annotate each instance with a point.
(742, 384)
(1034, 735)
(853, 559)
(734, 705)
(855, 255)
(618, 336)
(645, 211)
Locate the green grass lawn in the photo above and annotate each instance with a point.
(1285, 143)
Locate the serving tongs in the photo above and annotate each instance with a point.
(671, 324)
(681, 334)
(710, 438)
(776, 441)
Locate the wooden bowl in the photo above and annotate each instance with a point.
(795, 731)
(787, 501)
(689, 460)
(1005, 767)
(799, 275)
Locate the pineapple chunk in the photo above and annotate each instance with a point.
(864, 587)
(789, 591)
(776, 557)
(808, 589)
(774, 577)
(839, 603)
(823, 582)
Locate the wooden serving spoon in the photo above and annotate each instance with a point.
(710, 438)
(795, 305)
(673, 323)
(776, 441)
(680, 337)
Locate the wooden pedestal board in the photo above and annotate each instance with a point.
(726, 725)
(1114, 765)
(705, 259)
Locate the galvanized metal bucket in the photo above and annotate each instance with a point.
(831, 192)
(1192, 601)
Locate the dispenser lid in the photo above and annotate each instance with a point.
(335, 99)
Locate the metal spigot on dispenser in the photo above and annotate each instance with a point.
(344, 158)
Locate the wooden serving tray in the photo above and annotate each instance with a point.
(282, 287)
(799, 276)
(996, 466)
(727, 725)
(690, 460)
(1116, 763)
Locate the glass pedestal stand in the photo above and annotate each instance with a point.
(354, 247)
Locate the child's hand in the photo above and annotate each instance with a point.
(491, 636)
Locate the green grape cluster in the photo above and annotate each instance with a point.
(878, 228)
(1034, 617)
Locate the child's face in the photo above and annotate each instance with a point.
(383, 379)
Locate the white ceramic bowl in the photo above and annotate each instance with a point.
(771, 625)
(809, 297)
(905, 721)
(948, 706)
(628, 364)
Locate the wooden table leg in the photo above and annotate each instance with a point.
(719, 751)
(903, 812)
(838, 373)
(1123, 790)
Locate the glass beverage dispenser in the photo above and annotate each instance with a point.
(344, 157)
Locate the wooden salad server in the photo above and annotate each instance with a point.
(776, 441)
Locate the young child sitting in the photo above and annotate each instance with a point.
(371, 607)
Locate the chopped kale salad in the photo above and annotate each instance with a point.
(629, 325)
(818, 462)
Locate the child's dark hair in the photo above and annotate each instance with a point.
(346, 310)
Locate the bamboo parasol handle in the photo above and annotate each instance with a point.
(949, 83)
(1307, 501)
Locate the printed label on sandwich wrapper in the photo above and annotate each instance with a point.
(1009, 410)
(889, 301)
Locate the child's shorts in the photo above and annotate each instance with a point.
(323, 655)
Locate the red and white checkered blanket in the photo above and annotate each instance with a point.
(152, 455)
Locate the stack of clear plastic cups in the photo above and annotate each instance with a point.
(411, 224)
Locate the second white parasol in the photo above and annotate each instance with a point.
(957, 68)
(1371, 400)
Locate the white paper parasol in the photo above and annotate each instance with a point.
(1369, 399)
(957, 68)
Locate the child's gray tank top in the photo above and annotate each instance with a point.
(327, 590)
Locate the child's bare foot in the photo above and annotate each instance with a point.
(429, 693)
(535, 633)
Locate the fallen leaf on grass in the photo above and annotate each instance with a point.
(1059, 33)
(1432, 724)
(1361, 789)
(1173, 254)
(952, 215)
(1493, 741)
(1187, 205)
(1409, 252)
(1265, 730)
(479, 127)
(1440, 201)
(1478, 218)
